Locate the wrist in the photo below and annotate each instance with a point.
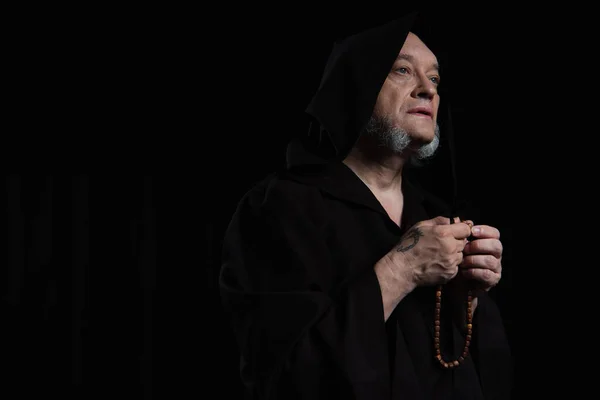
(396, 271)
(394, 286)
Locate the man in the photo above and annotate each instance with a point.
(333, 269)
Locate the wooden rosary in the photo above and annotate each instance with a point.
(465, 353)
(437, 327)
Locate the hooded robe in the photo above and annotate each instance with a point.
(298, 279)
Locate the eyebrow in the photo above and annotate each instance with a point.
(409, 58)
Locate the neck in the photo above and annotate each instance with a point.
(379, 170)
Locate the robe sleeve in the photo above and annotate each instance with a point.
(301, 332)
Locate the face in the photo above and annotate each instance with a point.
(408, 98)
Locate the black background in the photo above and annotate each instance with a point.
(138, 130)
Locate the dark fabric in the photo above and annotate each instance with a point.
(299, 286)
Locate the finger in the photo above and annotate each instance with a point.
(481, 261)
(485, 231)
(485, 276)
(459, 231)
(436, 221)
(460, 245)
(468, 222)
(459, 260)
(484, 246)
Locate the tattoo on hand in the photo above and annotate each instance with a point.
(413, 234)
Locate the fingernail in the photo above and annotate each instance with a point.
(476, 230)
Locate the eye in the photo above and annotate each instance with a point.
(402, 70)
(435, 80)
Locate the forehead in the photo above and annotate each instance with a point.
(415, 47)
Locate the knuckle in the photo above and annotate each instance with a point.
(491, 262)
(441, 220)
(447, 246)
(438, 230)
(448, 262)
(486, 275)
(453, 271)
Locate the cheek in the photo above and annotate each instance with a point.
(436, 107)
(389, 102)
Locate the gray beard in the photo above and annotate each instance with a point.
(398, 140)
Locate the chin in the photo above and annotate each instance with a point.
(423, 137)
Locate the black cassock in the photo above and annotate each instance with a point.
(297, 276)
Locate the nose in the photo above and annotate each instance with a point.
(425, 89)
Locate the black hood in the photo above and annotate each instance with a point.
(354, 74)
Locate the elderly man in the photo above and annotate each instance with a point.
(344, 280)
